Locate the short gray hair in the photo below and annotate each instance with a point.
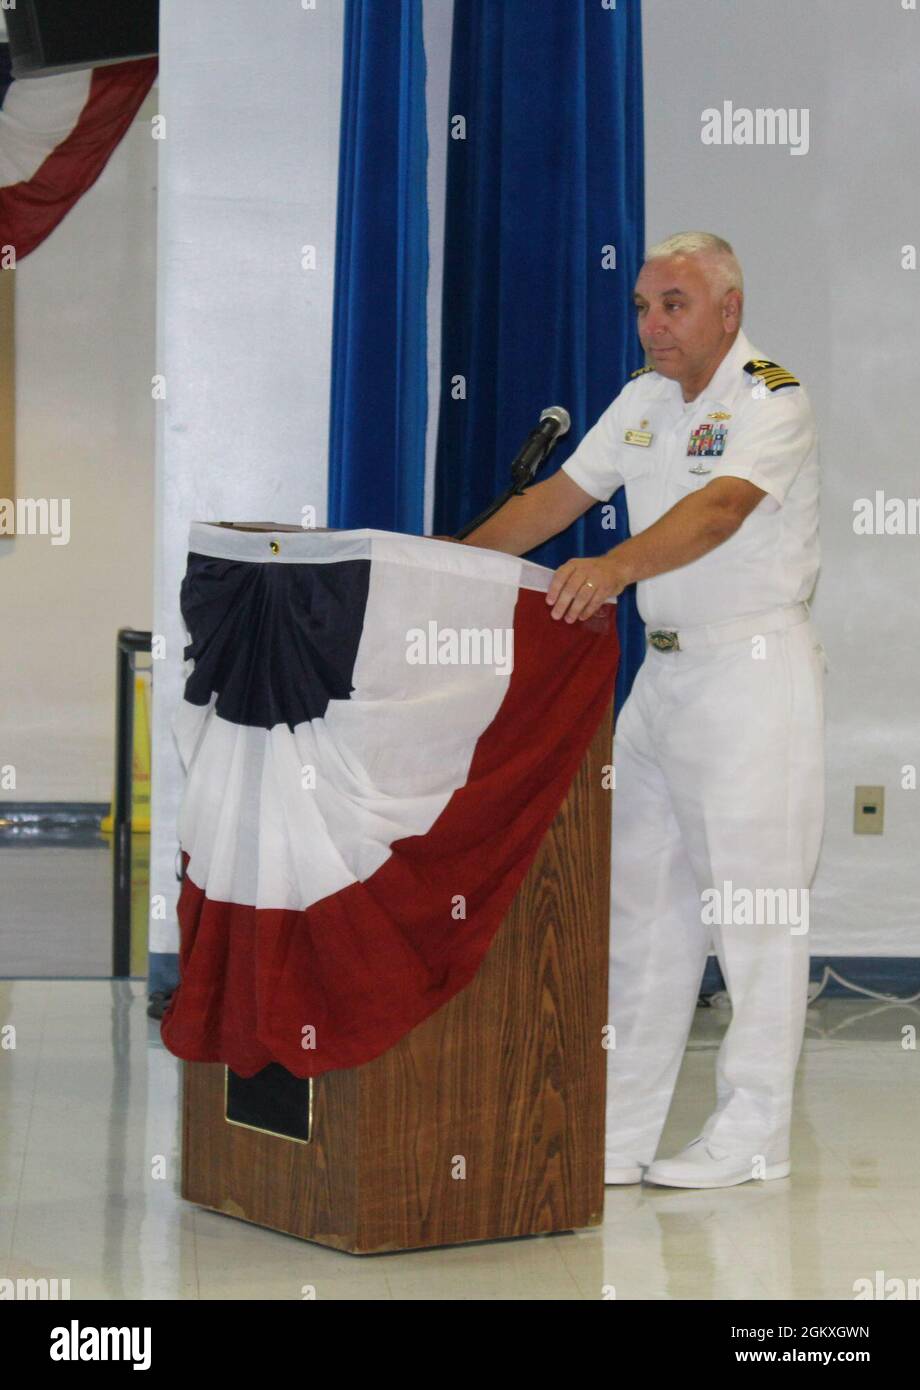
(725, 273)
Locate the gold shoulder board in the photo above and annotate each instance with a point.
(773, 376)
(640, 371)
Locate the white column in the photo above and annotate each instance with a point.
(248, 175)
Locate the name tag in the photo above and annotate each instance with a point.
(641, 437)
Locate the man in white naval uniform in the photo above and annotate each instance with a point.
(719, 782)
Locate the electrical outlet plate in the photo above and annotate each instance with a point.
(869, 811)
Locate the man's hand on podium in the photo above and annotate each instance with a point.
(580, 586)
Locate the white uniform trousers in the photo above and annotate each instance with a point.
(719, 781)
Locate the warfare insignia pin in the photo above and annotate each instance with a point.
(719, 415)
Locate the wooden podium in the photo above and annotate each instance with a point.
(487, 1120)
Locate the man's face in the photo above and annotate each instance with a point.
(683, 325)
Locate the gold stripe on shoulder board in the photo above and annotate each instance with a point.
(640, 371)
(773, 376)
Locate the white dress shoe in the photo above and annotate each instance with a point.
(703, 1164)
(619, 1171)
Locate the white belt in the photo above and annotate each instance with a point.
(693, 638)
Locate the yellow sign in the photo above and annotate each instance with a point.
(140, 778)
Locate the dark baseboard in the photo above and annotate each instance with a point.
(52, 822)
(897, 975)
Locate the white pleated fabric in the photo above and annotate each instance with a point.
(282, 817)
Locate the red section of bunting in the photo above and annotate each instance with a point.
(364, 966)
(30, 210)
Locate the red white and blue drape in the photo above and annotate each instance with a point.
(377, 730)
(56, 136)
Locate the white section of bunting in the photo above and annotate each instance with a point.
(37, 115)
(299, 547)
(282, 817)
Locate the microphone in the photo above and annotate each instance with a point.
(554, 422)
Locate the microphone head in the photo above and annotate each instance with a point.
(560, 415)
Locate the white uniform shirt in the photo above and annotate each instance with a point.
(769, 438)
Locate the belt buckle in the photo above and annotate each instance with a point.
(664, 641)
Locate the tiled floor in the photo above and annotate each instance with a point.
(89, 1121)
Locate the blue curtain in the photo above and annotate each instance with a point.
(379, 400)
(549, 174)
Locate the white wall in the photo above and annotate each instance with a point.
(819, 237)
(85, 316)
(248, 176)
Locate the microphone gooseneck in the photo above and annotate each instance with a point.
(554, 422)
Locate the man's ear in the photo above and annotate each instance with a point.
(731, 309)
